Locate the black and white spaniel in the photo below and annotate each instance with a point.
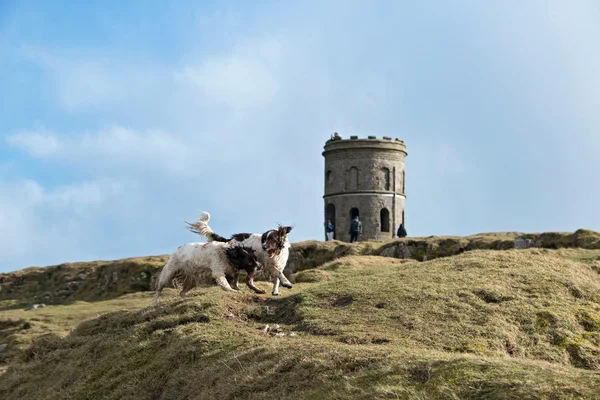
(271, 247)
(204, 263)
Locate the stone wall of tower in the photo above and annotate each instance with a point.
(367, 174)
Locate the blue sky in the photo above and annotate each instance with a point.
(118, 120)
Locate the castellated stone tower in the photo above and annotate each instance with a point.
(365, 177)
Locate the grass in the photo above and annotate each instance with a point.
(483, 324)
(18, 327)
(85, 281)
(103, 280)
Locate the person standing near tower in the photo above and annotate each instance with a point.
(355, 229)
(330, 229)
(401, 231)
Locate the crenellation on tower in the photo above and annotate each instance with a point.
(365, 177)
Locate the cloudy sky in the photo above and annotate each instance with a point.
(120, 120)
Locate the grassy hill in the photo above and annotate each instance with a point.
(103, 280)
(480, 324)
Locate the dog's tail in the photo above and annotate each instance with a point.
(201, 228)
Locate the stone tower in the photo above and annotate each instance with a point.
(365, 177)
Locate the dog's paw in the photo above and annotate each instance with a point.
(289, 286)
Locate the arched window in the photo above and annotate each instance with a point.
(353, 178)
(385, 178)
(329, 177)
(384, 216)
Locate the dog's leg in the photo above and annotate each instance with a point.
(278, 277)
(284, 281)
(275, 291)
(251, 285)
(165, 278)
(188, 285)
(234, 282)
(159, 287)
(222, 282)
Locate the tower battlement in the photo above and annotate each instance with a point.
(335, 137)
(371, 142)
(365, 177)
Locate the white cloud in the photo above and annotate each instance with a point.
(245, 76)
(95, 83)
(113, 147)
(28, 194)
(82, 194)
(39, 144)
(81, 84)
(89, 84)
(248, 76)
(42, 225)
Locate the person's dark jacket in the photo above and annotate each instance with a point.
(355, 226)
(401, 231)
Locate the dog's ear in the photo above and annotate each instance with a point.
(264, 238)
(286, 229)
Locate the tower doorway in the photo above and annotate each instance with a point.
(354, 213)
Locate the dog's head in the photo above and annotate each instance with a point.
(243, 258)
(275, 240)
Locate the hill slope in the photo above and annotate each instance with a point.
(483, 324)
(102, 280)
